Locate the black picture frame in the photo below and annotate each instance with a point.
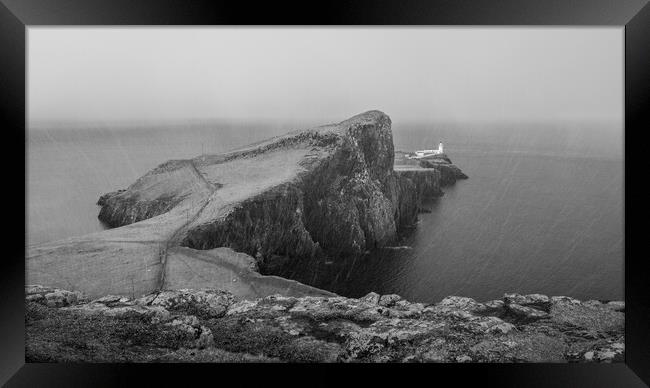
(17, 15)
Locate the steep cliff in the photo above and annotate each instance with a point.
(326, 191)
(330, 190)
(449, 172)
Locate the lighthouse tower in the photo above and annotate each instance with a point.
(440, 150)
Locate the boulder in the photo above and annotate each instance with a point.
(616, 305)
(209, 303)
(526, 313)
(538, 301)
(372, 298)
(389, 300)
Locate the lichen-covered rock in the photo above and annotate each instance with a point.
(372, 298)
(310, 349)
(191, 326)
(241, 307)
(612, 352)
(337, 308)
(461, 303)
(112, 300)
(153, 314)
(593, 321)
(212, 355)
(593, 303)
(615, 305)
(208, 303)
(520, 347)
(538, 301)
(565, 300)
(51, 297)
(492, 307)
(389, 300)
(525, 313)
(209, 325)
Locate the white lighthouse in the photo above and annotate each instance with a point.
(424, 153)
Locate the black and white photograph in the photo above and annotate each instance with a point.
(324, 194)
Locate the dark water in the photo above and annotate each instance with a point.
(541, 212)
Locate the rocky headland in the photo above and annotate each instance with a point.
(217, 221)
(185, 273)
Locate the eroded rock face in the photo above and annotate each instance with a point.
(449, 173)
(330, 190)
(213, 326)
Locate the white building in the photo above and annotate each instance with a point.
(425, 153)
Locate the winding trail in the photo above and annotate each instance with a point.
(174, 239)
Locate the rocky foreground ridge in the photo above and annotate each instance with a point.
(217, 221)
(215, 326)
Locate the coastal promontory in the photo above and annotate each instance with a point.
(332, 191)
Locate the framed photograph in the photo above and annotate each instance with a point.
(443, 185)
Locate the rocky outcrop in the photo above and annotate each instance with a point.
(214, 326)
(449, 172)
(340, 198)
(327, 191)
(216, 220)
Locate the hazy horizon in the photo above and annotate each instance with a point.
(150, 76)
(94, 124)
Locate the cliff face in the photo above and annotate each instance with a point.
(340, 198)
(326, 191)
(417, 185)
(214, 326)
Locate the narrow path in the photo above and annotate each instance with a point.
(174, 239)
(209, 185)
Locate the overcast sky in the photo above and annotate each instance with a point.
(458, 74)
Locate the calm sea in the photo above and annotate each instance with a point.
(542, 210)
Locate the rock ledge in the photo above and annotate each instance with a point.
(214, 326)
